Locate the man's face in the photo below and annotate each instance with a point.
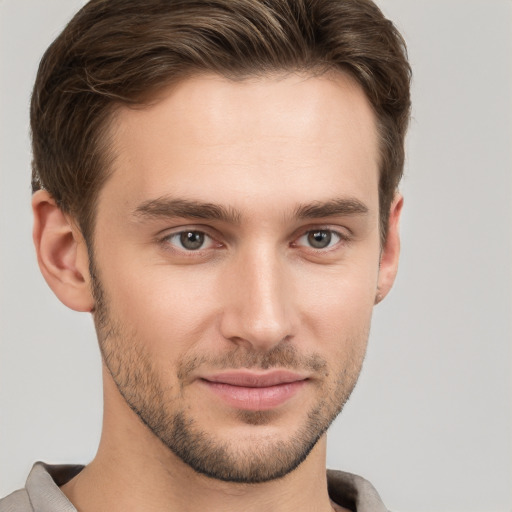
(236, 257)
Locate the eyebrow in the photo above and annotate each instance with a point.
(335, 207)
(165, 207)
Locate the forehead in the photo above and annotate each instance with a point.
(209, 135)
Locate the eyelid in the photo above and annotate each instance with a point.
(343, 237)
(164, 236)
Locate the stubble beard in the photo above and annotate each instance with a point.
(261, 459)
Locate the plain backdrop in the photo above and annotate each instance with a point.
(430, 421)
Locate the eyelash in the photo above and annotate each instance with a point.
(342, 239)
(166, 241)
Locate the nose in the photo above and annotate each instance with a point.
(259, 307)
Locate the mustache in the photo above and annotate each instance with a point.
(281, 356)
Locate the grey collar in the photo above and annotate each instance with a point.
(42, 487)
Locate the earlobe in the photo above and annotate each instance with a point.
(391, 251)
(61, 253)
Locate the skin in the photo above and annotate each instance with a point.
(255, 295)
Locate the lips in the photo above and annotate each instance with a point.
(255, 391)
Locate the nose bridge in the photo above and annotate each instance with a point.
(259, 310)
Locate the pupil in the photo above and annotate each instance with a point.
(192, 240)
(319, 239)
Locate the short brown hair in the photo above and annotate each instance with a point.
(118, 51)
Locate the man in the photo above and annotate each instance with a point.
(216, 182)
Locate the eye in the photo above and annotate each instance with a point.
(189, 240)
(319, 238)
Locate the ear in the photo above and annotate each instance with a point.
(391, 251)
(61, 253)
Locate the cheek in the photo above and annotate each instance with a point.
(341, 327)
(338, 315)
(169, 308)
(342, 297)
(174, 308)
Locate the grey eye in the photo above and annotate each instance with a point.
(192, 240)
(319, 239)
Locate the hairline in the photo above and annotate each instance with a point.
(152, 96)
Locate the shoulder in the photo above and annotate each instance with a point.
(18, 501)
(353, 492)
(42, 492)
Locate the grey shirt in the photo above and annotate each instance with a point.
(42, 493)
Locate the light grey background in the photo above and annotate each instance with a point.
(430, 421)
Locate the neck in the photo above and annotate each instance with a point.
(134, 471)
